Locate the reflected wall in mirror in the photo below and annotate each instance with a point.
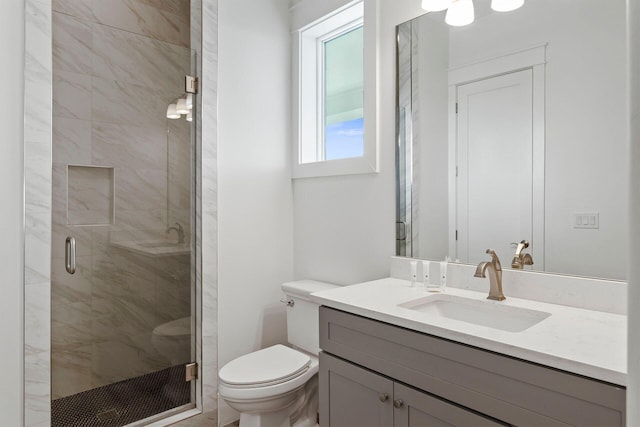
(515, 128)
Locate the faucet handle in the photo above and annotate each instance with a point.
(519, 257)
(494, 259)
(520, 246)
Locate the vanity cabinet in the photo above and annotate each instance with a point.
(442, 382)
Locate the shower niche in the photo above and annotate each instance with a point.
(90, 195)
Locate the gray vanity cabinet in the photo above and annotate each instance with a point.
(441, 382)
(357, 397)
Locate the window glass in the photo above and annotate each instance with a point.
(343, 114)
(344, 139)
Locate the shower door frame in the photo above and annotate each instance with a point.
(37, 211)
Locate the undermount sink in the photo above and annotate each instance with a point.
(490, 314)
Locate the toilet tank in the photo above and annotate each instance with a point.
(302, 315)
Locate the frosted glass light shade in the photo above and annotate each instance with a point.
(436, 5)
(172, 113)
(181, 106)
(189, 101)
(506, 5)
(460, 13)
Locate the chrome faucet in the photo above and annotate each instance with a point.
(520, 259)
(178, 228)
(495, 276)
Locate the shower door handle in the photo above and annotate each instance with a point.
(70, 255)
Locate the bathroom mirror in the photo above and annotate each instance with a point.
(515, 128)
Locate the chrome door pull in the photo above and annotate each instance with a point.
(70, 255)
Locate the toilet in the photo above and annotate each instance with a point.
(277, 386)
(172, 340)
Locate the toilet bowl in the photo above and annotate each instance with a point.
(277, 386)
(172, 340)
(265, 384)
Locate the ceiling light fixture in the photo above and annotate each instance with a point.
(506, 5)
(460, 13)
(181, 106)
(172, 113)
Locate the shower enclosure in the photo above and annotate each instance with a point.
(123, 242)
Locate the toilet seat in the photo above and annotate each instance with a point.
(266, 367)
(278, 370)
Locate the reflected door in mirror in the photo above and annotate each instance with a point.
(494, 162)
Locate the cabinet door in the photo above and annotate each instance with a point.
(414, 408)
(351, 396)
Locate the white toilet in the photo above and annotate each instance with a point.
(172, 340)
(277, 385)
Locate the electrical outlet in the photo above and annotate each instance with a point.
(586, 220)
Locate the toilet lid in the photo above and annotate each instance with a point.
(264, 367)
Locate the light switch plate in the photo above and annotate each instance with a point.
(586, 220)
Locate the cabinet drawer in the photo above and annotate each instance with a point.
(509, 389)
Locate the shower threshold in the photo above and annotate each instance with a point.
(124, 402)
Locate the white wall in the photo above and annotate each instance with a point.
(304, 12)
(633, 381)
(254, 198)
(344, 225)
(11, 215)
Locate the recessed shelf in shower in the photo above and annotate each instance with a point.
(90, 195)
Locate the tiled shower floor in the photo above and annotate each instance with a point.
(123, 402)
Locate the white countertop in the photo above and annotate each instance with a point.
(586, 342)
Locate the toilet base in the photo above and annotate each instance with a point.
(300, 412)
(269, 419)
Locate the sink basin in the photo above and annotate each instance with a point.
(483, 313)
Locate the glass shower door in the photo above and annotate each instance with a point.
(123, 262)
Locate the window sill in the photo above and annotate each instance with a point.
(351, 166)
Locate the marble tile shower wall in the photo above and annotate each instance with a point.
(37, 173)
(405, 103)
(116, 67)
(207, 199)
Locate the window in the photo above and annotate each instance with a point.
(342, 96)
(331, 136)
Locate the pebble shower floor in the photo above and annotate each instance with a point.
(123, 402)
